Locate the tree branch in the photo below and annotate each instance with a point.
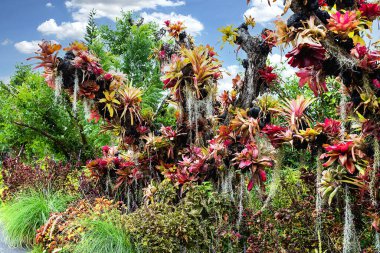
(59, 144)
(162, 103)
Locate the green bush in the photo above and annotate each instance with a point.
(27, 212)
(196, 223)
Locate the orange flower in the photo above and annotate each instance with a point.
(343, 23)
(175, 29)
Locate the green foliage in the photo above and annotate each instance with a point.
(91, 28)
(166, 116)
(31, 121)
(37, 249)
(103, 236)
(26, 213)
(135, 43)
(108, 60)
(192, 224)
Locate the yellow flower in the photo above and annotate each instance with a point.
(250, 21)
(110, 101)
(309, 134)
(229, 34)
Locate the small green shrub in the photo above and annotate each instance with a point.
(103, 236)
(22, 216)
(199, 222)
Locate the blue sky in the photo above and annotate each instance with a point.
(24, 23)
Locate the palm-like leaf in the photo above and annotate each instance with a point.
(295, 111)
(131, 99)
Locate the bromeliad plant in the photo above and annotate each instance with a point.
(244, 126)
(175, 28)
(347, 154)
(295, 112)
(115, 173)
(334, 179)
(110, 94)
(48, 57)
(195, 67)
(249, 159)
(66, 230)
(111, 103)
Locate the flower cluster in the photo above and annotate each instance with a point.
(197, 66)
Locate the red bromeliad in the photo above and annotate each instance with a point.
(48, 55)
(346, 153)
(330, 127)
(267, 75)
(367, 59)
(314, 79)
(249, 159)
(277, 134)
(306, 53)
(370, 10)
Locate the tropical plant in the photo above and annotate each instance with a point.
(195, 223)
(103, 236)
(347, 154)
(111, 103)
(250, 159)
(294, 112)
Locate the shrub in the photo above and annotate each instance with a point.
(22, 216)
(47, 174)
(199, 222)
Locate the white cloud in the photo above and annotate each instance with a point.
(29, 47)
(264, 13)
(281, 61)
(71, 30)
(49, 5)
(226, 82)
(193, 26)
(111, 8)
(6, 42)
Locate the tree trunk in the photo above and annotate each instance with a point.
(257, 52)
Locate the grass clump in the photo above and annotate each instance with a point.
(22, 216)
(104, 236)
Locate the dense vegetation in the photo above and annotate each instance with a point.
(125, 143)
